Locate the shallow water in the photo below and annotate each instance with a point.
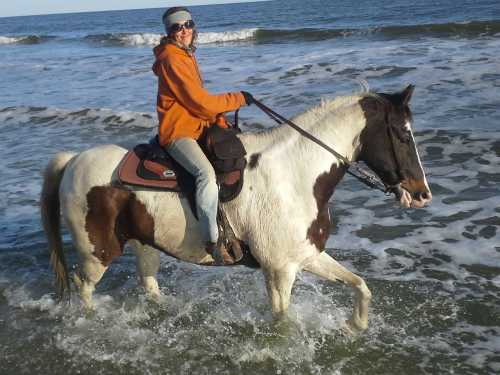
(79, 81)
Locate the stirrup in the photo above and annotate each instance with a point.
(220, 254)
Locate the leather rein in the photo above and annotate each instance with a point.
(353, 169)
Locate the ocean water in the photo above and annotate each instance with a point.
(72, 81)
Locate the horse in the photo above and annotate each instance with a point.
(281, 213)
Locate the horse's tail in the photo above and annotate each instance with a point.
(51, 218)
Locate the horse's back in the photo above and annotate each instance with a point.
(96, 166)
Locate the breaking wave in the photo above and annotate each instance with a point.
(452, 29)
(126, 39)
(227, 36)
(24, 39)
(154, 39)
(466, 29)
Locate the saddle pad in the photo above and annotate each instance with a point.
(128, 173)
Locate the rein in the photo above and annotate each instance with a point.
(361, 174)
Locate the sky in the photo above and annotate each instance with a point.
(11, 8)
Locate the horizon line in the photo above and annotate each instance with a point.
(126, 9)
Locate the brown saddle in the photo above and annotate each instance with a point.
(135, 169)
(149, 165)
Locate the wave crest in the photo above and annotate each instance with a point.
(460, 29)
(464, 29)
(151, 39)
(24, 39)
(468, 29)
(227, 36)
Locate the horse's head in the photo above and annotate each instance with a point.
(388, 147)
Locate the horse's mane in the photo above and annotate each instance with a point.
(329, 106)
(338, 107)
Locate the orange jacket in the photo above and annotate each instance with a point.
(184, 107)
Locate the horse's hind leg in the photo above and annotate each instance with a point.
(325, 266)
(90, 268)
(148, 264)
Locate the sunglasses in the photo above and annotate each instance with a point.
(176, 27)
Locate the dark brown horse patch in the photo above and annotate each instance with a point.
(115, 216)
(324, 186)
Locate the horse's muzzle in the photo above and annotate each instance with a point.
(421, 198)
(416, 199)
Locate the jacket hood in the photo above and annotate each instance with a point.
(162, 50)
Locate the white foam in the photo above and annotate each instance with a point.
(203, 38)
(20, 39)
(423, 237)
(141, 39)
(226, 36)
(10, 40)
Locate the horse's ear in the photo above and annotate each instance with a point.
(407, 93)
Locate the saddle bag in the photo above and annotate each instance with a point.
(228, 153)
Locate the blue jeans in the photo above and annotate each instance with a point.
(188, 153)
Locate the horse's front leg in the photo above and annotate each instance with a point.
(325, 266)
(88, 274)
(279, 283)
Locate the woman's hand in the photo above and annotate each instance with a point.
(248, 97)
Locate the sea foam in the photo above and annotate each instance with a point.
(8, 40)
(227, 36)
(25, 39)
(152, 39)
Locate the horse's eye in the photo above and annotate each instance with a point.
(406, 137)
(402, 134)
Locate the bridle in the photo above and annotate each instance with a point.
(352, 168)
(399, 169)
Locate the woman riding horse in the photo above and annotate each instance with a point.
(185, 110)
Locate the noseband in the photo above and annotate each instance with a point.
(359, 173)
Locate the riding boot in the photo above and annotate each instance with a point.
(219, 253)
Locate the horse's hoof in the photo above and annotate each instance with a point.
(346, 330)
(89, 310)
(352, 328)
(155, 298)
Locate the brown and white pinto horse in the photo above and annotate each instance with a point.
(281, 212)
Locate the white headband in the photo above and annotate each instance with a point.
(177, 17)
